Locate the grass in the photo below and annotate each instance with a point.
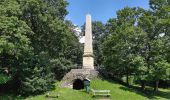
(65, 94)
(118, 92)
(121, 92)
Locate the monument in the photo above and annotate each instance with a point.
(88, 60)
(74, 79)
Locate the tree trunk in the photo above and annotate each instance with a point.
(156, 85)
(142, 84)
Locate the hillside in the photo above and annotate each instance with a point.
(118, 92)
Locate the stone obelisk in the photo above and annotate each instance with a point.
(88, 71)
(88, 60)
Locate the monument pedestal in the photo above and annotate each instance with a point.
(80, 74)
(88, 62)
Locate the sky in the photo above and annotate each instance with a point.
(100, 10)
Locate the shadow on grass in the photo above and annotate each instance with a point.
(148, 92)
(51, 97)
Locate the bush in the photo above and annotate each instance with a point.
(38, 76)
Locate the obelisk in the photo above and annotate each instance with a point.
(88, 60)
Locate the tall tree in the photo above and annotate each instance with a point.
(121, 47)
(155, 23)
(138, 42)
(124, 42)
(35, 43)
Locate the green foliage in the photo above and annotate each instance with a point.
(137, 42)
(10, 8)
(38, 76)
(14, 42)
(141, 67)
(57, 8)
(4, 78)
(98, 31)
(61, 66)
(160, 70)
(35, 43)
(121, 47)
(74, 51)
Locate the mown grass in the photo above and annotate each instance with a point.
(121, 92)
(118, 92)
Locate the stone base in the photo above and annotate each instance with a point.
(81, 74)
(88, 62)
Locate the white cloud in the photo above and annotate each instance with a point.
(67, 18)
(82, 39)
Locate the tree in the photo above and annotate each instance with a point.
(57, 8)
(33, 38)
(137, 42)
(141, 70)
(37, 15)
(75, 51)
(123, 43)
(56, 38)
(61, 66)
(155, 23)
(121, 47)
(37, 75)
(160, 70)
(98, 31)
(24, 67)
(15, 45)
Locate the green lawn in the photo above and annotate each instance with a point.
(118, 92)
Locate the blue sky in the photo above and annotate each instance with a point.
(100, 10)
